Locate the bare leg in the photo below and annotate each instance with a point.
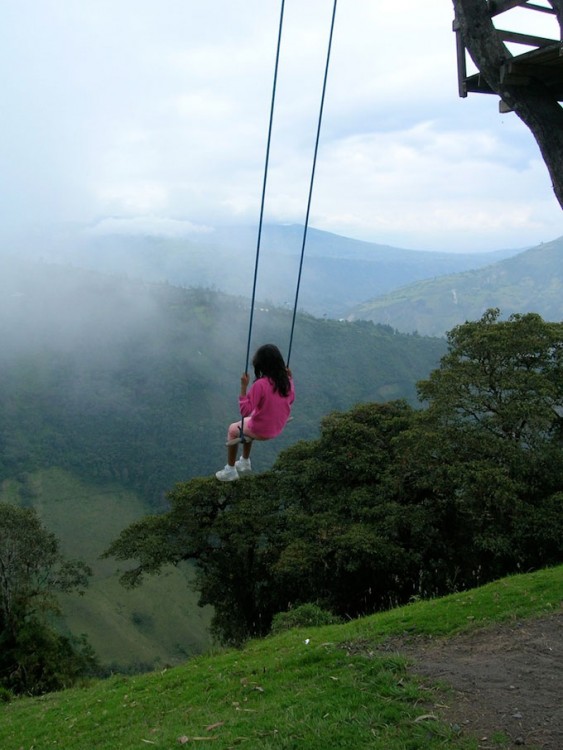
(233, 449)
(232, 454)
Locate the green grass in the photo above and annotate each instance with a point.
(310, 688)
(156, 624)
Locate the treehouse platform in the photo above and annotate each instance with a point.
(543, 63)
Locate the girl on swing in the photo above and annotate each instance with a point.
(265, 409)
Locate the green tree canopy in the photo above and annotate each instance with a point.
(390, 502)
(33, 657)
(488, 447)
(505, 377)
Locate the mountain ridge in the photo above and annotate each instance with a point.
(338, 272)
(531, 281)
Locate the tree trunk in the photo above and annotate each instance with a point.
(534, 104)
(557, 6)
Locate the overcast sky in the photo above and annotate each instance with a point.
(138, 115)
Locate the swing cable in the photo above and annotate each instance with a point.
(242, 437)
(265, 179)
(306, 225)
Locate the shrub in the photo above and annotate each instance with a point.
(305, 615)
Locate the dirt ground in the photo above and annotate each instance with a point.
(507, 679)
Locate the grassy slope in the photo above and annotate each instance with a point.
(314, 688)
(156, 624)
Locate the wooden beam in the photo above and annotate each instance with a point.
(514, 67)
(514, 79)
(500, 6)
(545, 65)
(461, 62)
(517, 38)
(541, 8)
(476, 84)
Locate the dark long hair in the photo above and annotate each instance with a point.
(268, 362)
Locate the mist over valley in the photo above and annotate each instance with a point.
(339, 273)
(113, 389)
(120, 365)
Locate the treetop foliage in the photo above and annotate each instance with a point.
(34, 657)
(390, 502)
(505, 376)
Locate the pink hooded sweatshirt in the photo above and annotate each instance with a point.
(266, 409)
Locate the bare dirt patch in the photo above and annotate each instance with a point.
(506, 679)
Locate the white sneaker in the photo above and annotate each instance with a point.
(228, 474)
(243, 466)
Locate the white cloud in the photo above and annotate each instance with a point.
(135, 109)
(435, 189)
(133, 197)
(148, 226)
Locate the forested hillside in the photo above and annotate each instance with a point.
(114, 400)
(112, 390)
(390, 503)
(136, 383)
(531, 281)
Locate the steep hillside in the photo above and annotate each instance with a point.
(532, 281)
(382, 682)
(145, 628)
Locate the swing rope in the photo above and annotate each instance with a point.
(242, 438)
(264, 182)
(306, 226)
